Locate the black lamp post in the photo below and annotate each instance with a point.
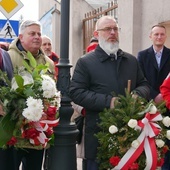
(63, 153)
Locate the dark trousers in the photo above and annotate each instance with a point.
(31, 159)
(6, 159)
(92, 165)
(166, 165)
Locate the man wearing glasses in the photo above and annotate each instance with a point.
(99, 77)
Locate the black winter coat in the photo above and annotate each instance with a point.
(96, 79)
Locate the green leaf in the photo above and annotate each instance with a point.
(6, 129)
(26, 65)
(32, 60)
(19, 81)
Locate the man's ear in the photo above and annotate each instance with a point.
(95, 34)
(20, 37)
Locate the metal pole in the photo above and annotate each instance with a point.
(63, 153)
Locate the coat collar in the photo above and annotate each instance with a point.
(103, 56)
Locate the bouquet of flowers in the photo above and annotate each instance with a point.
(30, 103)
(133, 135)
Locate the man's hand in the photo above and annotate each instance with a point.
(113, 101)
(158, 98)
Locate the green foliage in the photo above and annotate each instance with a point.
(13, 100)
(117, 144)
(6, 129)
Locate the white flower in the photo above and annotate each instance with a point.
(48, 93)
(160, 143)
(132, 123)
(168, 134)
(166, 121)
(48, 86)
(135, 144)
(113, 129)
(35, 103)
(152, 109)
(32, 114)
(34, 111)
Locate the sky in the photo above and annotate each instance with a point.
(28, 11)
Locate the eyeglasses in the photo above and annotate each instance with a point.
(109, 29)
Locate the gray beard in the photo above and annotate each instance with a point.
(108, 47)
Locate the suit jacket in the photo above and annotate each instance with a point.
(153, 74)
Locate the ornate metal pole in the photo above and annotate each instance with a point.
(63, 153)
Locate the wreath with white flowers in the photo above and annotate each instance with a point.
(30, 104)
(133, 135)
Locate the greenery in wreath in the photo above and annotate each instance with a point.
(133, 135)
(30, 105)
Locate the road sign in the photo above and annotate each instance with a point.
(10, 7)
(8, 30)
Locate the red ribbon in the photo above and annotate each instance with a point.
(147, 143)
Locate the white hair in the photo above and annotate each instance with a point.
(28, 23)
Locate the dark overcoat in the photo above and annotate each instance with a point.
(153, 74)
(96, 79)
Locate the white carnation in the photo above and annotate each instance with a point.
(36, 104)
(113, 129)
(160, 143)
(32, 114)
(34, 111)
(48, 86)
(166, 121)
(168, 134)
(48, 94)
(132, 123)
(135, 144)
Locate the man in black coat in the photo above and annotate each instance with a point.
(6, 156)
(99, 77)
(155, 64)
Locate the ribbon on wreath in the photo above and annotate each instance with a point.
(42, 126)
(147, 143)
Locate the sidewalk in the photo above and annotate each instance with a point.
(79, 164)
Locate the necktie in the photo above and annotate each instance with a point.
(158, 58)
(0, 59)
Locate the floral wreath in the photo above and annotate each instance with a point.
(133, 135)
(30, 105)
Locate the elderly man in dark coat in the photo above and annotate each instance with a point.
(99, 77)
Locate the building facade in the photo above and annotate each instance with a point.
(135, 19)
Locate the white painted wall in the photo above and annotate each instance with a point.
(135, 19)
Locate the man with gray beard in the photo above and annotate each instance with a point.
(99, 77)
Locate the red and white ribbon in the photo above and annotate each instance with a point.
(147, 143)
(42, 127)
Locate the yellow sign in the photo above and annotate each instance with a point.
(10, 7)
